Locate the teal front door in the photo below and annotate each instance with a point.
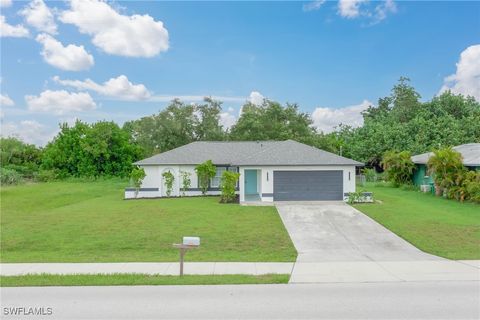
(250, 181)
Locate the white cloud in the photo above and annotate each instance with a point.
(5, 3)
(313, 5)
(383, 9)
(30, 131)
(256, 98)
(6, 101)
(71, 57)
(8, 30)
(466, 80)
(326, 119)
(38, 15)
(60, 102)
(195, 98)
(227, 118)
(114, 33)
(119, 87)
(349, 8)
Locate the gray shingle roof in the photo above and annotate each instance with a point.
(265, 153)
(470, 153)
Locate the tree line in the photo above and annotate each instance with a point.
(400, 121)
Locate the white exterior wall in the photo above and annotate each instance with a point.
(266, 185)
(154, 180)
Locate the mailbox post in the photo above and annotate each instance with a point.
(187, 243)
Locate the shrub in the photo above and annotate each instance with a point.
(186, 182)
(27, 171)
(46, 175)
(398, 167)
(228, 184)
(136, 176)
(10, 176)
(370, 174)
(354, 197)
(205, 172)
(466, 187)
(472, 185)
(168, 179)
(445, 165)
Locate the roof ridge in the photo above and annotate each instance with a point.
(325, 151)
(261, 151)
(237, 141)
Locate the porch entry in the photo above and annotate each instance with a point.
(251, 191)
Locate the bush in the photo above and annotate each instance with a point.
(466, 187)
(186, 181)
(228, 184)
(370, 174)
(46, 175)
(136, 177)
(472, 186)
(398, 167)
(445, 165)
(27, 171)
(168, 179)
(10, 176)
(205, 172)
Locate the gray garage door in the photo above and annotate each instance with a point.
(307, 185)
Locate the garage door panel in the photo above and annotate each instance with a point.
(307, 185)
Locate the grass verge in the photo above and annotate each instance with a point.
(137, 279)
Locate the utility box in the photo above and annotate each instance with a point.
(191, 241)
(425, 188)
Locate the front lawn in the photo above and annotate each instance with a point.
(75, 221)
(442, 227)
(44, 280)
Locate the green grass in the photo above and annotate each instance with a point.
(442, 227)
(137, 279)
(81, 221)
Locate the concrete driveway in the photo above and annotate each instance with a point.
(335, 231)
(337, 243)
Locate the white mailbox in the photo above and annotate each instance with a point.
(191, 241)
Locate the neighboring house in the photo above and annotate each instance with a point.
(269, 170)
(471, 159)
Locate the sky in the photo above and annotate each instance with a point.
(122, 60)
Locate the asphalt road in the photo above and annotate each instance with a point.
(419, 300)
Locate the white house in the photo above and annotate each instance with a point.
(269, 171)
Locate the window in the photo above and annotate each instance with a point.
(215, 182)
(349, 175)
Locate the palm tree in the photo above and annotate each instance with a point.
(445, 165)
(398, 167)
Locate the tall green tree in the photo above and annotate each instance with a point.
(15, 151)
(398, 167)
(208, 127)
(272, 121)
(170, 128)
(445, 165)
(402, 122)
(17, 155)
(102, 148)
(177, 125)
